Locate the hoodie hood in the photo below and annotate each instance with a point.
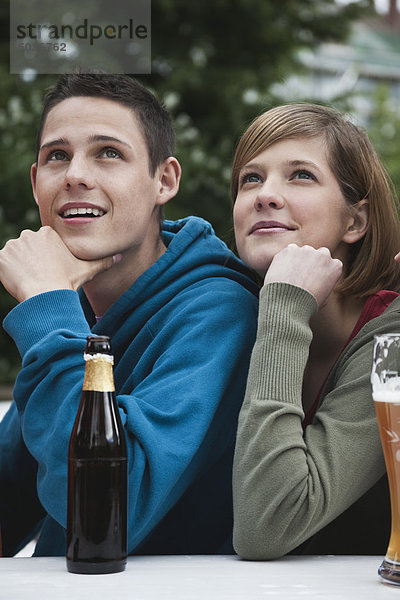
(193, 253)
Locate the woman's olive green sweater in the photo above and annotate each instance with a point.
(324, 490)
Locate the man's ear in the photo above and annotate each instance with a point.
(33, 180)
(358, 223)
(169, 176)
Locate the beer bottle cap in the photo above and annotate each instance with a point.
(96, 344)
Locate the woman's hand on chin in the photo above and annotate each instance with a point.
(313, 270)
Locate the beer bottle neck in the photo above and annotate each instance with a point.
(98, 373)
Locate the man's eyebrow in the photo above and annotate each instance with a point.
(107, 138)
(59, 142)
(92, 139)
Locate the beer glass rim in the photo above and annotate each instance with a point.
(383, 336)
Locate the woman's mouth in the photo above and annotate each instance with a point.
(270, 227)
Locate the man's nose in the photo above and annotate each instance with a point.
(79, 173)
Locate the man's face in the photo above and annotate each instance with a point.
(92, 181)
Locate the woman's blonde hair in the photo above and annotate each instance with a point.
(360, 175)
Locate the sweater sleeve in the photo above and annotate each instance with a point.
(20, 510)
(288, 485)
(178, 401)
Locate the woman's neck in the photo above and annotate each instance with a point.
(333, 323)
(331, 327)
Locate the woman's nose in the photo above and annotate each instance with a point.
(269, 195)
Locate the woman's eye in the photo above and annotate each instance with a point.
(110, 153)
(250, 178)
(303, 175)
(57, 155)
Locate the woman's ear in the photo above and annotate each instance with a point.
(358, 223)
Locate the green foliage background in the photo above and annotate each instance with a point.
(213, 64)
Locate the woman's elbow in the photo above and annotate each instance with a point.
(251, 544)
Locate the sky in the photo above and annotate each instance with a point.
(381, 5)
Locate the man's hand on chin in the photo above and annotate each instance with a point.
(39, 261)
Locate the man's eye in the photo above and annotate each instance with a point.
(110, 153)
(57, 155)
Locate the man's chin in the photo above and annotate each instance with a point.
(84, 253)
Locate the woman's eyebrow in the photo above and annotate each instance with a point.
(305, 162)
(290, 163)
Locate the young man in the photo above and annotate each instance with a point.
(179, 308)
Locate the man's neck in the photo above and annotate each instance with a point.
(104, 289)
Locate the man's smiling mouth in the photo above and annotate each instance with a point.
(70, 213)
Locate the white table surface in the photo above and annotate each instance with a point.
(200, 578)
(4, 406)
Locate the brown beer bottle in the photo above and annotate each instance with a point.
(97, 471)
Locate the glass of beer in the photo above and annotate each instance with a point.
(385, 379)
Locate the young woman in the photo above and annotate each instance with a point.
(316, 218)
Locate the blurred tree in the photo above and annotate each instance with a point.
(384, 131)
(212, 64)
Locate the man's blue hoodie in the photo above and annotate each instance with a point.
(181, 337)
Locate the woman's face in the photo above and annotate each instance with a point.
(288, 194)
